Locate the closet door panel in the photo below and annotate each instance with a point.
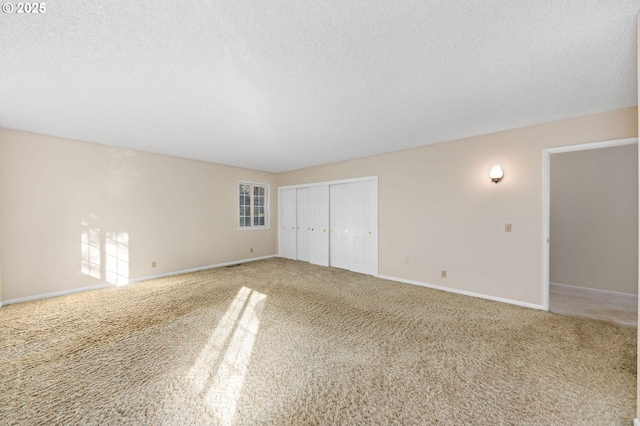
(288, 216)
(340, 224)
(303, 227)
(364, 227)
(320, 225)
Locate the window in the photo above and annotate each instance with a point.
(254, 205)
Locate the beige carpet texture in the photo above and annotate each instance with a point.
(280, 342)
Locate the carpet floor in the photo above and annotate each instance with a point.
(284, 342)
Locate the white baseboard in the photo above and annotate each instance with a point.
(56, 293)
(595, 291)
(200, 268)
(464, 292)
(134, 280)
(636, 422)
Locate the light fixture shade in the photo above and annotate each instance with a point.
(496, 174)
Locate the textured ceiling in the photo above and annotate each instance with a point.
(278, 85)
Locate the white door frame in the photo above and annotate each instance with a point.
(330, 182)
(546, 199)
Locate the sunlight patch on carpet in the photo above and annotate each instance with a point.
(220, 369)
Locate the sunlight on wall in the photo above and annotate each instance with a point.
(222, 364)
(104, 255)
(117, 258)
(90, 248)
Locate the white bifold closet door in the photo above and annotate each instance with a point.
(304, 223)
(331, 225)
(319, 202)
(288, 219)
(340, 218)
(364, 199)
(354, 226)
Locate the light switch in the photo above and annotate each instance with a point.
(507, 227)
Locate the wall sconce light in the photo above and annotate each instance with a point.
(496, 174)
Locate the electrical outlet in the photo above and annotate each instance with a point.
(443, 274)
(507, 227)
(406, 260)
(251, 250)
(153, 264)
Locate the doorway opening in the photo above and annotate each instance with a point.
(590, 230)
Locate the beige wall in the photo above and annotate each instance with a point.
(180, 213)
(438, 207)
(594, 219)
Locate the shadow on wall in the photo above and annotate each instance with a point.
(104, 254)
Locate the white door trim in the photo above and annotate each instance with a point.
(331, 182)
(546, 199)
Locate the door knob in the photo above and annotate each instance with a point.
(324, 230)
(293, 227)
(369, 232)
(312, 229)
